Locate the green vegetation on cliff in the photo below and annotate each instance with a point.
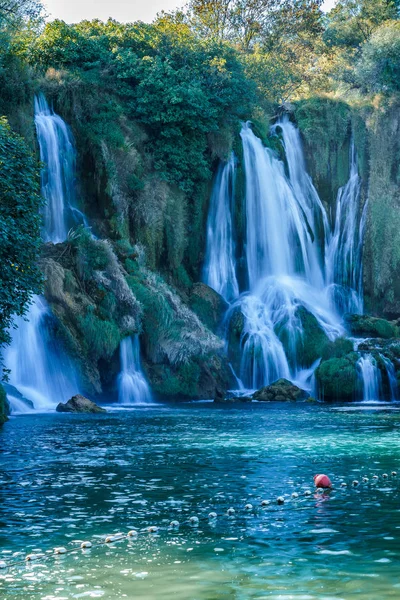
(19, 228)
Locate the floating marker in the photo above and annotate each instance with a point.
(375, 477)
(280, 500)
(60, 550)
(265, 502)
(295, 495)
(394, 473)
(31, 557)
(307, 492)
(322, 481)
(3, 565)
(248, 507)
(343, 484)
(86, 545)
(174, 524)
(152, 529)
(194, 521)
(365, 479)
(230, 511)
(355, 483)
(132, 533)
(212, 515)
(385, 475)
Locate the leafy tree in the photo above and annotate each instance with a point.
(378, 69)
(351, 22)
(19, 228)
(13, 11)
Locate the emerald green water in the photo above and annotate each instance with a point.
(68, 478)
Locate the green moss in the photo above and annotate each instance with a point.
(367, 326)
(337, 378)
(208, 305)
(337, 349)
(3, 406)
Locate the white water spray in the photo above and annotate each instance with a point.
(132, 384)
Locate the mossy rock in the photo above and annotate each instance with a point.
(281, 390)
(366, 326)
(337, 349)
(208, 305)
(337, 378)
(4, 408)
(235, 327)
(310, 343)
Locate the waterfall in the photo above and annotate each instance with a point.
(219, 267)
(40, 370)
(132, 384)
(370, 378)
(392, 379)
(344, 249)
(286, 226)
(57, 153)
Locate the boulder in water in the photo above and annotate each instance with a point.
(281, 390)
(79, 404)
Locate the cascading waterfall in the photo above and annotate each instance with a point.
(370, 378)
(40, 369)
(344, 247)
(132, 384)
(220, 265)
(57, 152)
(284, 260)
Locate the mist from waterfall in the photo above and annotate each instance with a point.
(220, 266)
(344, 247)
(132, 384)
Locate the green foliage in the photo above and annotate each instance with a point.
(101, 337)
(378, 69)
(337, 349)
(19, 228)
(351, 22)
(3, 405)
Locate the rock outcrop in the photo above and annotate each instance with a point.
(79, 404)
(281, 390)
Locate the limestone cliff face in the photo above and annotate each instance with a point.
(327, 127)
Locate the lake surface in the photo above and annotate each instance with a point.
(69, 478)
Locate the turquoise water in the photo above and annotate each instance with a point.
(69, 478)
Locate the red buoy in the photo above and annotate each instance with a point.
(322, 481)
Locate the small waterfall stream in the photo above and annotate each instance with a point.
(392, 379)
(344, 247)
(219, 266)
(370, 378)
(40, 369)
(132, 384)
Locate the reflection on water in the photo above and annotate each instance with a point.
(66, 478)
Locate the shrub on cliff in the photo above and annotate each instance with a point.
(19, 228)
